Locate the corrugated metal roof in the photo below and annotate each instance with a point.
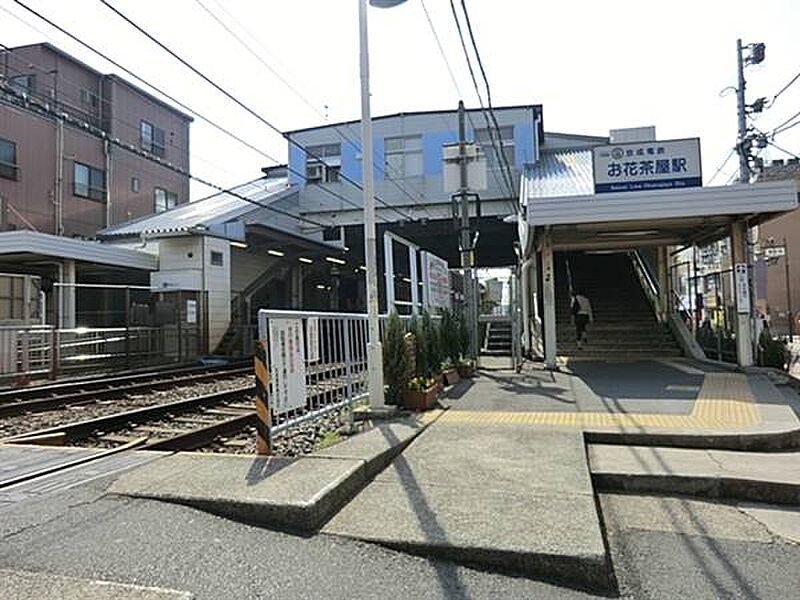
(45, 244)
(560, 173)
(207, 214)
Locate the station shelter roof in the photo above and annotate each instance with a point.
(558, 195)
(19, 248)
(265, 205)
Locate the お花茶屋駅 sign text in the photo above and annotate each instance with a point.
(647, 166)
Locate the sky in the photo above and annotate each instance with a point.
(593, 66)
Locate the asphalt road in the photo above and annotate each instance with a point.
(662, 548)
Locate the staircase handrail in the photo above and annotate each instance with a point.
(648, 282)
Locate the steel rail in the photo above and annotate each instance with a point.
(82, 429)
(88, 384)
(11, 409)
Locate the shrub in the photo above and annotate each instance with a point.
(396, 363)
(421, 346)
(433, 352)
(450, 336)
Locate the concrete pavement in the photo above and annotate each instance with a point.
(772, 477)
(512, 498)
(294, 494)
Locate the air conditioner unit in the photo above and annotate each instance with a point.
(315, 172)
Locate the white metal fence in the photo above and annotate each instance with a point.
(43, 350)
(317, 363)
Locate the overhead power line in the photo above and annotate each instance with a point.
(164, 94)
(480, 98)
(44, 109)
(784, 88)
(441, 50)
(392, 180)
(488, 95)
(241, 104)
(722, 165)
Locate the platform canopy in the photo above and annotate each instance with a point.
(558, 195)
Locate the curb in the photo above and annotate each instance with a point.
(350, 467)
(717, 488)
(782, 440)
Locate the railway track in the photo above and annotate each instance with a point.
(85, 392)
(180, 425)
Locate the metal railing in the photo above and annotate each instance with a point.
(28, 351)
(317, 363)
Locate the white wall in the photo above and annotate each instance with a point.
(247, 267)
(218, 288)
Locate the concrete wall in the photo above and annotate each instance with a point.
(436, 128)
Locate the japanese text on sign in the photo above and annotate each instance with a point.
(647, 166)
(287, 364)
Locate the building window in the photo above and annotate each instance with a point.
(216, 258)
(323, 163)
(506, 142)
(403, 156)
(88, 98)
(136, 185)
(89, 182)
(151, 138)
(165, 200)
(24, 84)
(8, 160)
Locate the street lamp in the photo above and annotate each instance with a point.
(374, 349)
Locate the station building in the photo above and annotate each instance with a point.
(180, 280)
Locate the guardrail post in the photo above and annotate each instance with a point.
(55, 354)
(263, 437)
(348, 359)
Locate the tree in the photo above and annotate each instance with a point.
(396, 364)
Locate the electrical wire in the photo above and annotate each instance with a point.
(308, 103)
(722, 165)
(784, 88)
(183, 106)
(488, 95)
(242, 105)
(97, 132)
(478, 93)
(441, 49)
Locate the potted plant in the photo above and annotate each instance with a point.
(464, 365)
(397, 369)
(448, 334)
(421, 393)
(433, 352)
(422, 389)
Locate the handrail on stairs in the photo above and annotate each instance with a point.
(647, 280)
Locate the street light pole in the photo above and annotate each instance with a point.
(374, 348)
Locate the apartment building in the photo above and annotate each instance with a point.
(64, 127)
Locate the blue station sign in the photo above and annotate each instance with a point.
(638, 166)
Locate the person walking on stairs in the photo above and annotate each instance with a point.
(581, 310)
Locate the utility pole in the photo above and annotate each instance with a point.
(465, 242)
(742, 142)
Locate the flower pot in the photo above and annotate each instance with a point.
(451, 376)
(420, 399)
(465, 371)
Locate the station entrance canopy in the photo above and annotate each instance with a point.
(559, 198)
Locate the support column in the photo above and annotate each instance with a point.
(664, 291)
(548, 279)
(742, 295)
(525, 292)
(68, 295)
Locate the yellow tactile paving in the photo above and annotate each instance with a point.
(725, 400)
